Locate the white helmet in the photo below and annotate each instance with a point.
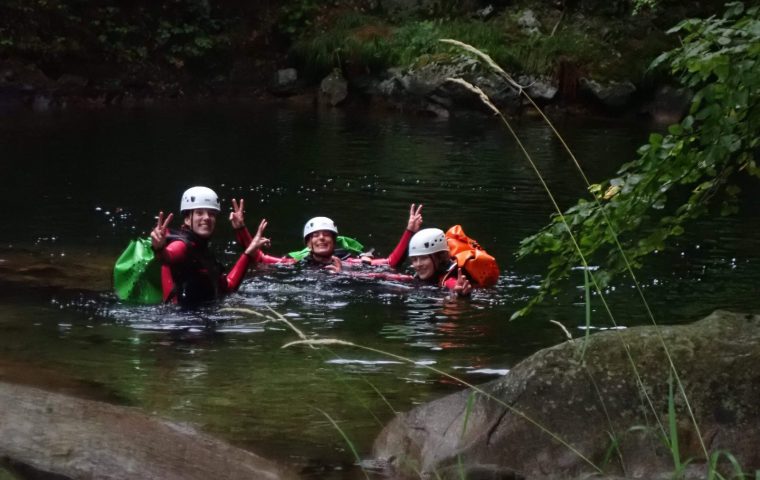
(319, 223)
(428, 241)
(199, 197)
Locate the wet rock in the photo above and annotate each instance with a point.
(485, 12)
(50, 435)
(427, 86)
(333, 89)
(284, 82)
(540, 89)
(528, 22)
(41, 102)
(669, 105)
(612, 95)
(24, 75)
(556, 414)
(35, 270)
(69, 81)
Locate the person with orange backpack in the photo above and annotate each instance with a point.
(451, 260)
(432, 262)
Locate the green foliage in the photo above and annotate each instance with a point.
(692, 171)
(60, 31)
(368, 43)
(363, 42)
(298, 15)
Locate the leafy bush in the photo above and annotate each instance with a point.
(368, 43)
(58, 32)
(694, 170)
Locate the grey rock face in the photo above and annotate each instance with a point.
(556, 415)
(284, 82)
(427, 86)
(58, 436)
(334, 88)
(528, 21)
(611, 95)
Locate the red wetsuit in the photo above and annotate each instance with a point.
(447, 279)
(189, 272)
(394, 260)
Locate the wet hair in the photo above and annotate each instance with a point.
(441, 261)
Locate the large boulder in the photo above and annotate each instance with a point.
(425, 86)
(559, 414)
(611, 95)
(333, 89)
(49, 435)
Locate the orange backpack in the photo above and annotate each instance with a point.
(470, 256)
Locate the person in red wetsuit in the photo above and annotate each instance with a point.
(190, 274)
(320, 234)
(432, 264)
(431, 261)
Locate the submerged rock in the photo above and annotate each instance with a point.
(559, 415)
(49, 435)
(285, 82)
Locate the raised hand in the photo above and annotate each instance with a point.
(463, 286)
(259, 240)
(160, 231)
(335, 266)
(237, 217)
(415, 219)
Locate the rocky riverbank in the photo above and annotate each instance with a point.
(569, 56)
(561, 414)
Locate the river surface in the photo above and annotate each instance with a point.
(77, 186)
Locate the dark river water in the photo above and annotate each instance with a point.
(77, 186)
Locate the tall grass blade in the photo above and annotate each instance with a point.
(577, 247)
(614, 235)
(512, 409)
(673, 427)
(712, 467)
(587, 288)
(614, 447)
(280, 318)
(347, 440)
(467, 411)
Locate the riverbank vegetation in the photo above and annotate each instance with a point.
(521, 39)
(700, 167)
(167, 48)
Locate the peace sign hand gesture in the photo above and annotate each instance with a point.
(415, 219)
(160, 231)
(259, 240)
(237, 217)
(463, 286)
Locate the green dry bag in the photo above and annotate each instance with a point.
(349, 244)
(137, 274)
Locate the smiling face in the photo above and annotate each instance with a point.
(424, 266)
(202, 221)
(321, 243)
